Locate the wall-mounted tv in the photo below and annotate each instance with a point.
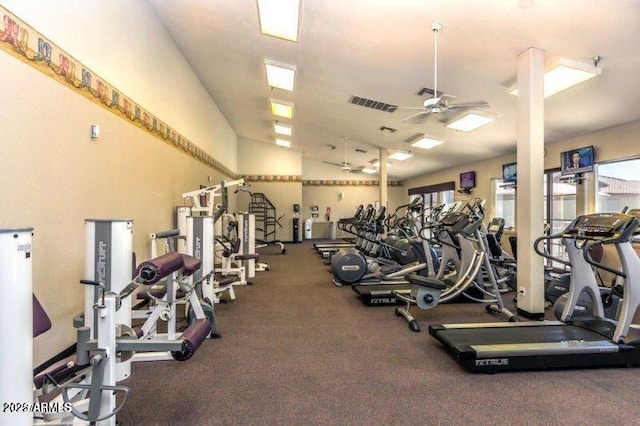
(509, 173)
(467, 180)
(578, 160)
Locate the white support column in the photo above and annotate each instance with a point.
(383, 177)
(529, 200)
(16, 333)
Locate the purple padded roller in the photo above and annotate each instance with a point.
(154, 270)
(191, 265)
(193, 338)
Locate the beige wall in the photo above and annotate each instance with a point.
(124, 43)
(262, 158)
(53, 176)
(614, 143)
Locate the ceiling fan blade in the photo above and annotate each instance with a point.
(417, 118)
(334, 164)
(355, 171)
(478, 104)
(412, 108)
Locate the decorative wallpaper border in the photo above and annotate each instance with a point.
(349, 183)
(272, 178)
(23, 42)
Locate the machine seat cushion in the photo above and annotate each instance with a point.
(426, 282)
(41, 321)
(191, 265)
(249, 256)
(227, 280)
(62, 371)
(158, 291)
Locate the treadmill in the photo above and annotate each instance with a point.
(327, 248)
(580, 343)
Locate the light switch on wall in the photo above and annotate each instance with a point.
(95, 131)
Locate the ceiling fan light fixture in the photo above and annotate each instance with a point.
(471, 120)
(282, 108)
(280, 75)
(400, 155)
(282, 129)
(279, 18)
(369, 170)
(426, 142)
(563, 74)
(283, 143)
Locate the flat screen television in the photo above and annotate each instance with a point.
(578, 160)
(467, 180)
(509, 173)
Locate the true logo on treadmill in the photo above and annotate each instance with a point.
(490, 362)
(380, 301)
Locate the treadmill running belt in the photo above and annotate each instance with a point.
(514, 347)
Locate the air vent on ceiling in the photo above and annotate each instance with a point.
(361, 151)
(427, 92)
(368, 103)
(387, 130)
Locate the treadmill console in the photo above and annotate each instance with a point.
(599, 225)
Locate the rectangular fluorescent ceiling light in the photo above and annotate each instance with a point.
(369, 170)
(279, 18)
(471, 120)
(376, 163)
(282, 142)
(281, 76)
(282, 109)
(563, 74)
(401, 155)
(282, 129)
(425, 142)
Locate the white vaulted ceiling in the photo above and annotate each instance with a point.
(383, 50)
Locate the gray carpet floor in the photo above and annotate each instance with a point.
(298, 350)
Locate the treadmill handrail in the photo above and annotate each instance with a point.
(587, 257)
(546, 254)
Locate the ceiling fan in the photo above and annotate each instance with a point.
(345, 166)
(439, 103)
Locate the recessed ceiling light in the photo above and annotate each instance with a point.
(279, 75)
(282, 129)
(282, 109)
(425, 142)
(471, 120)
(279, 18)
(284, 143)
(563, 74)
(401, 155)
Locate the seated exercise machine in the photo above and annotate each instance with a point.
(574, 342)
(109, 262)
(80, 389)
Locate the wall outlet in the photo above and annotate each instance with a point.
(522, 292)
